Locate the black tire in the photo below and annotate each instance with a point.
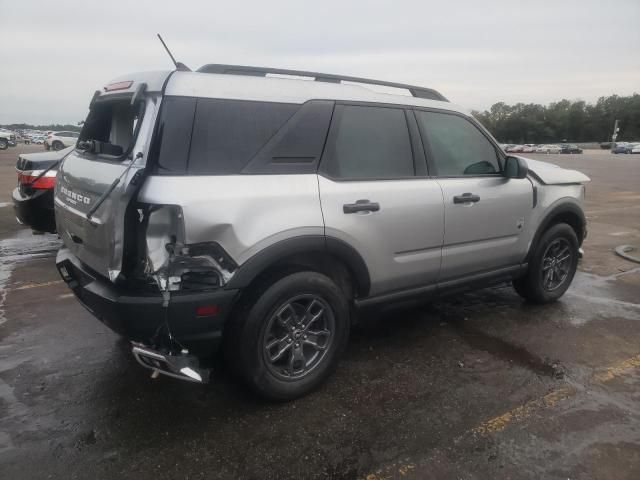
(3, 144)
(253, 330)
(57, 146)
(535, 286)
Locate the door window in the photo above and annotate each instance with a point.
(368, 143)
(458, 147)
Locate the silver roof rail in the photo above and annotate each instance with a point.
(419, 92)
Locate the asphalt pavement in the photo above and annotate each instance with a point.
(481, 385)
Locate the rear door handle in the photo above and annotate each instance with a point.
(361, 206)
(466, 197)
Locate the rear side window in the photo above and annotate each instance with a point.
(457, 146)
(173, 135)
(368, 143)
(228, 133)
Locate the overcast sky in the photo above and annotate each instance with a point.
(55, 54)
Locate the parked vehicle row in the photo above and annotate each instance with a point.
(50, 139)
(542, 148)
(626, 148)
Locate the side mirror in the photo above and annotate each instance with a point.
(515, 167)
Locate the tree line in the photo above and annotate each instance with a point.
(51, 127)
(566, 120)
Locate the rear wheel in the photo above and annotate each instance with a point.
(552, 267)
(288, 340)
(3, 144)
(57, 146)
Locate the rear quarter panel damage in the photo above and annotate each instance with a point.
(243, 213)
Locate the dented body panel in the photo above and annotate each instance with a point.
(550, 174)
(243, 213)
(82, 181)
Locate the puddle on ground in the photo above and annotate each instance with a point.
(21, 247)
(593, 296)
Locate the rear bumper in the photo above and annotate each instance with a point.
(35, 211)
(138, 317)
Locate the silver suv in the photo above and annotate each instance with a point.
(230, 208)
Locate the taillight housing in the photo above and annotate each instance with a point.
(37, 180)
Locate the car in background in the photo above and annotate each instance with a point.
(570, 148)
(38, 140)
(7, 139)
(631, 146)
(548, 149)
(529, 148)
(636, 148)
(33, 197)
(605, 145)
(514, 149)
(622, 147)
(59, 140)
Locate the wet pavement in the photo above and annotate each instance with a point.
(481, 385)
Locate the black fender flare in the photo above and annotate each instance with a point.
(308, 245)
(547, 220)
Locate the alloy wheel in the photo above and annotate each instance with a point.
(298, 336)
(556, 264)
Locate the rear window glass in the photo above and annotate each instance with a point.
(110, 126)
(228, 133)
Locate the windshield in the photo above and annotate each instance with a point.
(110, 127)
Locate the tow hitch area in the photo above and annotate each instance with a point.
(179, 365)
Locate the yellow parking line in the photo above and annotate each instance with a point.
(36, 285)
(522, 412)
(551, 399)
(394, 470)
(617, 370)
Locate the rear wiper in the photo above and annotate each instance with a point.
(111, 188)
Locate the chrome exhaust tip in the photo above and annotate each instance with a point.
(179, 365)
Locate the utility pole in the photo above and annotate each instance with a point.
(614, 136)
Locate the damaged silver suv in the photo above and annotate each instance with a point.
(232, 208)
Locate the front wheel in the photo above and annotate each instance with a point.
(3, 144)
(552, 266)
(289, 339)
(57, 146)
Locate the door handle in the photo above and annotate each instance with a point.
(361, 206)
(466, 197)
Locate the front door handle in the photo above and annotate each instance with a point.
(466, 197)
(361, 206)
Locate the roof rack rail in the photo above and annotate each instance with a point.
(419, 92)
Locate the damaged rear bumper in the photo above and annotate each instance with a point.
(177, 365)
(138, 316)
